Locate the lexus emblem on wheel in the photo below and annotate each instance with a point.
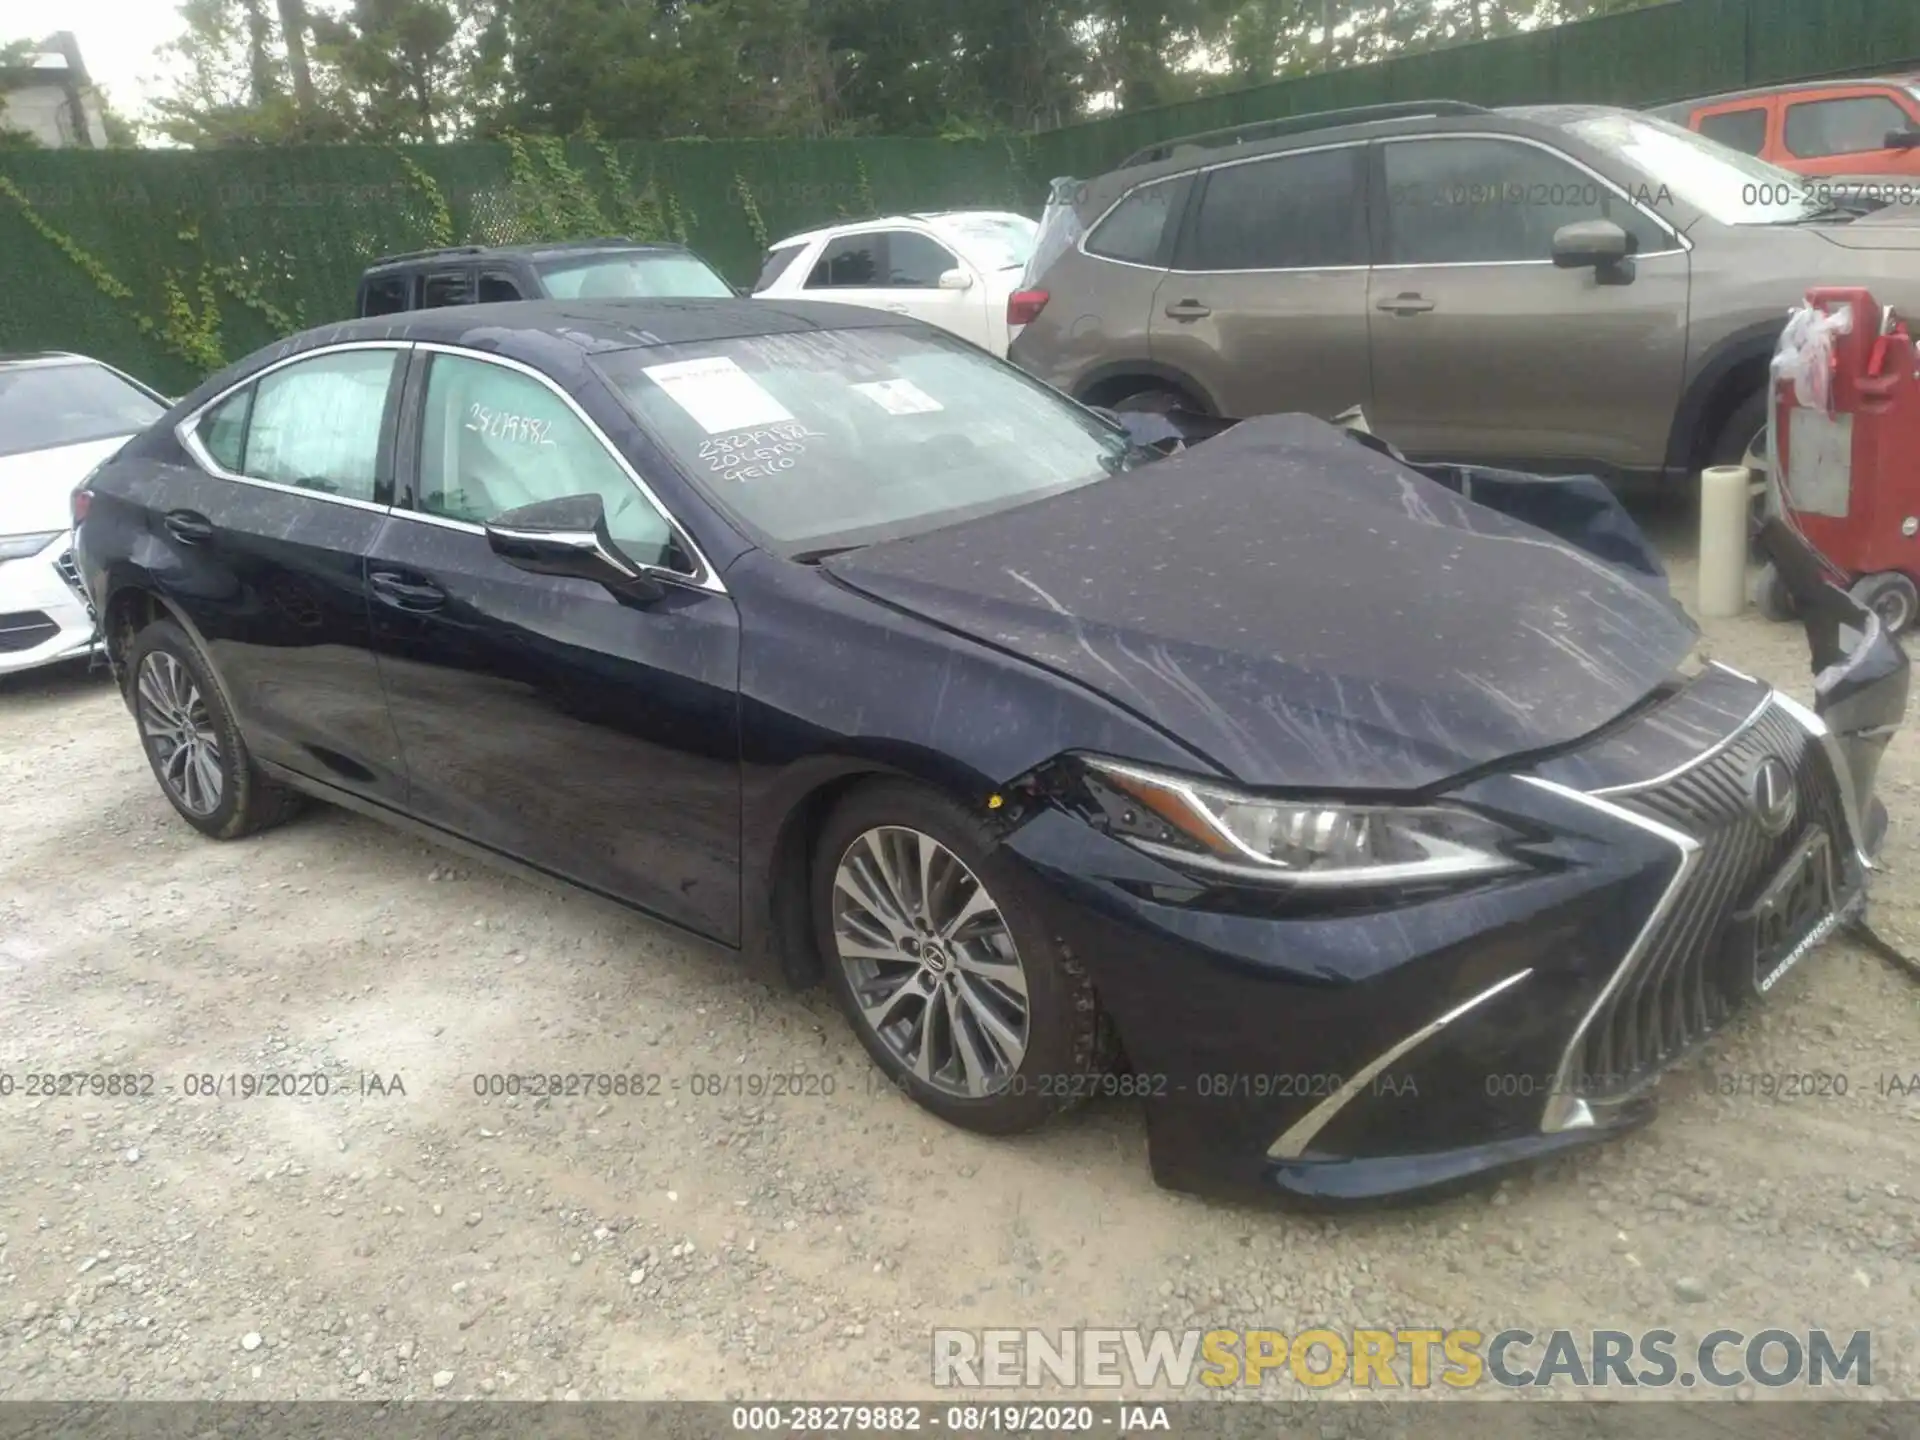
(1770, 789)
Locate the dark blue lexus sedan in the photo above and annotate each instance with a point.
(1372, 838)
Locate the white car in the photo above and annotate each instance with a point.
(956, 269)
(60, 416)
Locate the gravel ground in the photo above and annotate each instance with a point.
(428, 1242)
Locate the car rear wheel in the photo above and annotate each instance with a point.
(1152, 401)
(951, 979)
(192, 742)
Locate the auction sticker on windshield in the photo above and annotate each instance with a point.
(899, 397)
(718, 394)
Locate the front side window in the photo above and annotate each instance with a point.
(449, 287)
(1742, 130)
(317, 423)
(45, 406)
(825, 439)
(1854, 126)
(633, 275)
(915, 262)
(850, 262)
(495, 439)
(1138, 225)
(1477, 201)
(1293, 212)
(497, 288)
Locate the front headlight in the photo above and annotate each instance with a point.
(19, 547)
(1296, 842)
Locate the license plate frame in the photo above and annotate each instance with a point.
(1797, 909)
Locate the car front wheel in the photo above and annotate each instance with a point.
(192, 742)
(950, 977)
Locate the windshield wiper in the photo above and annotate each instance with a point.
(1827, 214)
(825, 552)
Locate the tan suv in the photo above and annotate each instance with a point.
(1552, 288)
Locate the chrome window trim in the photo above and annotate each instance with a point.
(186, 431)
(705, 577)
(1681, 244)
(1564, 1109)
(1087, 234)
(1294, 1141)
(1717, 748)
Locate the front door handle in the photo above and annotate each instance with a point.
(1406, 305)
(189, 527)
(404, 594)
(1188, 310)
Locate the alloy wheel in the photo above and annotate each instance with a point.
(931, 963)
(179, 733)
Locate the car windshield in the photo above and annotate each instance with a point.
(632, 275)
(44, 406)
(1733, 188)
(826, 440)
(993, 242)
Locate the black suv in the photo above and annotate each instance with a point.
(613, 268)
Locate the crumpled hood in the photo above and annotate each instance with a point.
(1895, 227)
(1300, 610)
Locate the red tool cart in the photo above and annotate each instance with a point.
(1845, 447)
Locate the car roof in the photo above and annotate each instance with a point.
(533, 250)
(20, 359)
(1759, 92)
(530, 330)
(918, 217)
(1444, 117)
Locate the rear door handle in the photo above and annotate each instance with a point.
(1188, 310)
(405, 594)
(1406, 305)
(189, 527)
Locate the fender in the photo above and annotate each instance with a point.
(1150, 369)
(128, 576)
(1755, 342)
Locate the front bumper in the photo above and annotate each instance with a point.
(1410, 1045)
(45, 615)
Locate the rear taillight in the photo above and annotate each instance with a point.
(1024, 306)
(82, 499)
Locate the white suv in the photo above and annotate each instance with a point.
(955, 269)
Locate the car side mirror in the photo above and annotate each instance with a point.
(1598, 245)
(1908, 139)
(956, 280)
(568, 537)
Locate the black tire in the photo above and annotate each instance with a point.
(1068, 1042)
(165, 665)
(1890, 595)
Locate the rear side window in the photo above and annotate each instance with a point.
(1742, 130)
(850, 262)
(1137, 227)
(316, 424)
(777, 263)
(1853, 126)
(223, 431)
(1293, 212)
(385, 296)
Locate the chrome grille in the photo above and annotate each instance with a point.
(70, 572)
(1682, 986)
